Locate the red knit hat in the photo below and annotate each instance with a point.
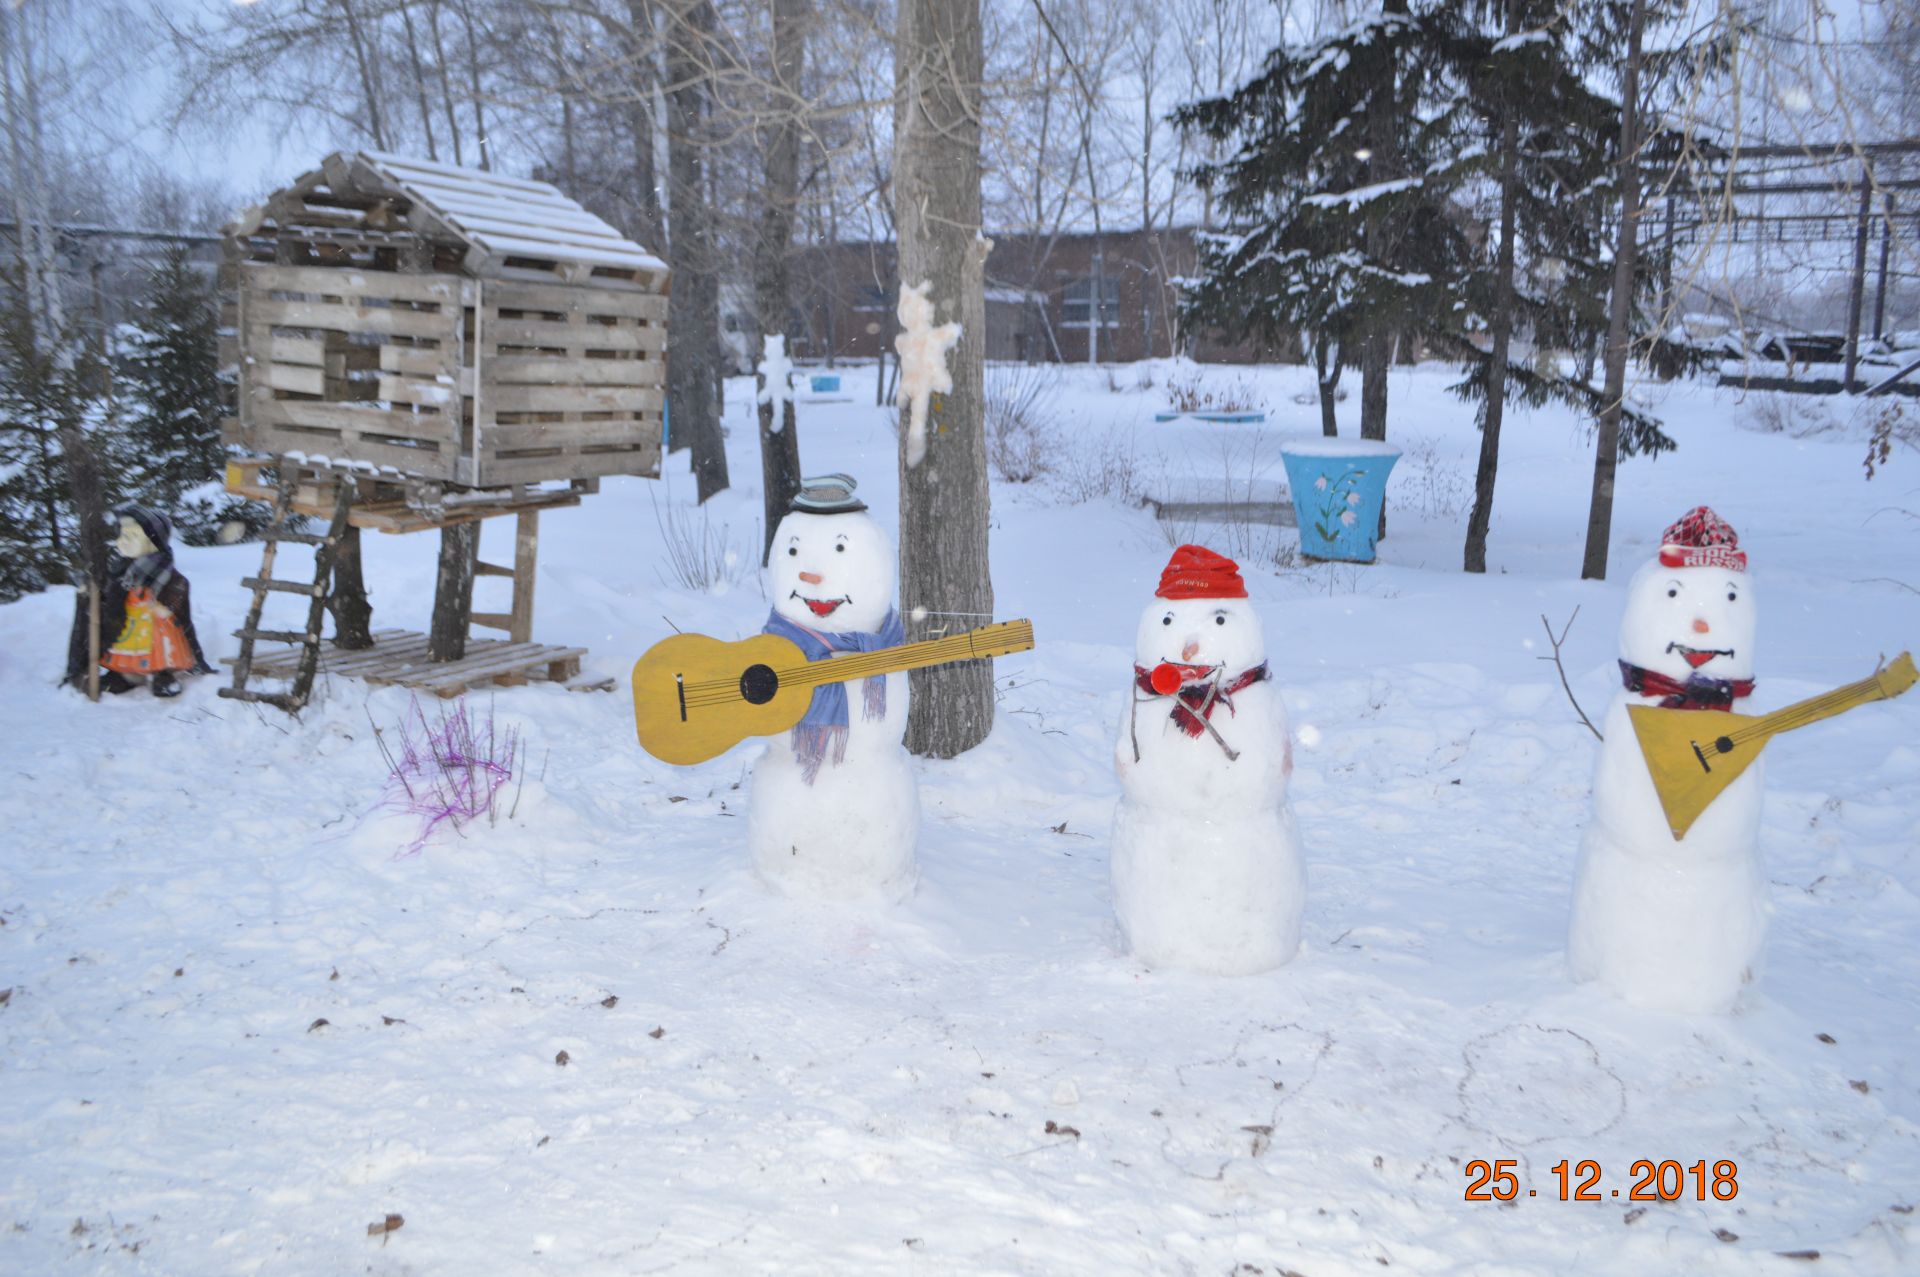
(1195, 572)
(1702, 539)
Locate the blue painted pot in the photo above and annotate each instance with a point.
(1339, 486)
(825, 383)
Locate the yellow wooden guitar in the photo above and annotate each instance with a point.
(695, 697)
(1694, 754)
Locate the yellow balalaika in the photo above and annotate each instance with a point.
(695, 697)
(1694, 754)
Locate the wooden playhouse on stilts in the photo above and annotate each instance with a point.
(419, 347)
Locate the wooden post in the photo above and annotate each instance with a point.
(526, 551)
(93, 639)
(1666, 272)
(1856, 292)
(453, 592)
(1880, 295)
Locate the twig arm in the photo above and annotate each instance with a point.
(1556, 641)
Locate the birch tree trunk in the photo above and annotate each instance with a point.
(773, 265)
(1606, 458)
(453, 592)
(944, 579)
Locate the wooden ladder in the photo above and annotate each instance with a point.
(266, 583)
(517, 622)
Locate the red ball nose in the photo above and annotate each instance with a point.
(1165, 679)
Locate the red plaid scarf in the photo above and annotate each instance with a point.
(1695, 693)
(1192, 696)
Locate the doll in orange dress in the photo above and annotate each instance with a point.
(157, 639)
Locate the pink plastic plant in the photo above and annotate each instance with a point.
(451, 771)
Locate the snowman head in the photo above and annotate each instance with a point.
(1691, 611)
(1200, 616)
(832, 566)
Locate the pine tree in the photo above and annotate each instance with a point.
(1339, 192)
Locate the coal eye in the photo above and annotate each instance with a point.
(1732, 597)
(1673, 593)
(1167, 619)
(1219, 620)
(839, 549)
(793, 551)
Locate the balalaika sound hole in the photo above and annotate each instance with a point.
(758, 684)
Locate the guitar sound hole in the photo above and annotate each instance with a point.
(1724, 745)
(758, 684)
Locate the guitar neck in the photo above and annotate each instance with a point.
(990, 640)
(1812, 710)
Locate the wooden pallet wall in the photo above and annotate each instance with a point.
(572, 381)
(356, 365)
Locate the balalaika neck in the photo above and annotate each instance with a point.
(1811, 710)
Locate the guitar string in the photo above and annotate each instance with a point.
(710, 692)
(846, 668)
(723, 693)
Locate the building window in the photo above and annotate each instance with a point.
(871, 298)
(1077, 302)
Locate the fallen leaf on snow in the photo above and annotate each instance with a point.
(562, 1059)
(1055, 1128)
(380, 1228)
(318, 1024)
(657, 1033)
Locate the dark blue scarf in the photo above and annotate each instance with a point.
(824, 725)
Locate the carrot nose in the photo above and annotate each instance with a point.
(1700, 625)
(814, 578)
(1191, 650)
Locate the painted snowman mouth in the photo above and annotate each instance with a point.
(1698, 656)
(821, 607)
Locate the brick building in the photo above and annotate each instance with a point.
(1050, 299)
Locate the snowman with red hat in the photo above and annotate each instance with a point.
(1206, 865)
(1665, 922)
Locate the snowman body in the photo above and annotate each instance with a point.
(1672, 924)
(843, 825)
(1206, 867)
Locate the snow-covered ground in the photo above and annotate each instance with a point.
(976, 1081)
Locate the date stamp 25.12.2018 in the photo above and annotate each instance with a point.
(1663, 1181)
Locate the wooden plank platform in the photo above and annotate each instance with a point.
(399, 657)
(243, 480)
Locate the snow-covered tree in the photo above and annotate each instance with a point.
(1529, 69)
(1337, 192)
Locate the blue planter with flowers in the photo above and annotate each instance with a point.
(1339, 487)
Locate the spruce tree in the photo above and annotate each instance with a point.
(1338, 191)
(173, 454)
